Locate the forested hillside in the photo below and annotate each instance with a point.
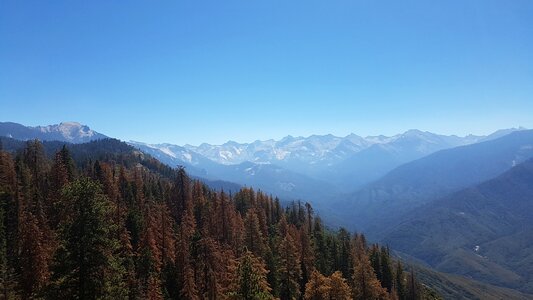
(111, 224)
(483, 232)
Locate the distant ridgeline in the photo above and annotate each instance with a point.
(72, 132)
(104, 221)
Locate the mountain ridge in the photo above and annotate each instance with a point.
(483, 231)
(384, 201)
(72, 132)
(344, 162)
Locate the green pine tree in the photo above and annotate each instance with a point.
(86, 265)
(250, 282)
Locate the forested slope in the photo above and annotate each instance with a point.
(109, 224)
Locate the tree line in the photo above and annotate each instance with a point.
(108, 228)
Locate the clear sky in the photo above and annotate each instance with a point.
(210, 71)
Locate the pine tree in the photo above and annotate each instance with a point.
(387, 278)
(250, 282)
(318, 287)
(4, 267)
(34, 256)
(365, 285)
(339, 288)
(201, 207)
(254, 239)
(375, 261)
(85, 265)
(150, 261)
(153, 290)
(9, 225)
(184, 261)
(68, 162)
(413, 288)
(290, 272)
(307, 257)
(35, 240)
(322, 261)
(400, 282)
(62, 172)
(345, 259)
(213, 271)
(321, 287)
(181, 195)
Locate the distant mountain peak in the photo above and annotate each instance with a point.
(69, 130)
(72, 132)
(288, 138)
(502, 132)
(415, 131)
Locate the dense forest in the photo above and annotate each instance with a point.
(90, 222)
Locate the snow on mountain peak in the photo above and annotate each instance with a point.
(70, 131)
(315, 150)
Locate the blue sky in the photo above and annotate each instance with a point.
(212, 71)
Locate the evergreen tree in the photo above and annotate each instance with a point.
(253, 236)
(85, 265)
(181, 196)
(290, 272)
(34, 256)
(339, 288)
(387, 278)
(250, 282)
(307, 256)
(365, 285)
(375, 261)
(318, 287)
(150, 261)
(321, 287)
(9, 225)
(400, 282)
(322, 261)
(413, 289)
(184, 261)
(213, 271)
(345, 258)
(62, 172)
(4, 267)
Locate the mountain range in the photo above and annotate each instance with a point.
(385, 201)
(311, 168)
(460, 205)
(293, 166)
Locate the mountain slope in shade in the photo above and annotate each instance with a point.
(384, 202)
(71, 132)
(484, 232)
(451, 286)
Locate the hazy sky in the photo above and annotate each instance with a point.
(194, 71)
